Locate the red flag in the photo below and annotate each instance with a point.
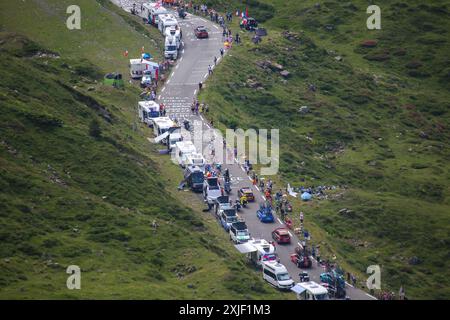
(246, 12)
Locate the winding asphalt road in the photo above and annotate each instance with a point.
(178, 93)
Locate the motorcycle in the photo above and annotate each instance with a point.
(237, 205)
(187, 125)
(227, 187)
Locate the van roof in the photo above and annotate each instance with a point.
(313, 287)
(275, 266)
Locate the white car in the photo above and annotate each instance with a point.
(146, 79)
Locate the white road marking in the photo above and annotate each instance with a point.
(371, 296)
(349, 284)
(163, 89)
(279, 221)
(290, 234)
(177, 66)
(257, 188)
(181, 59)
(168, 81)
(195, 91)
(206, 75)
(264, 198)
(159, 97)
(250, 179)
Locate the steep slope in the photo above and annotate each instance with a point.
(80, 184)
(377, 122)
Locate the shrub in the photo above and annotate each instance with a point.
(94, 129)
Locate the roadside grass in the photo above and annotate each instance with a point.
(377, 124)
(70, 198)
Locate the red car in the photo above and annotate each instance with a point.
(281, 235)
(201, 32)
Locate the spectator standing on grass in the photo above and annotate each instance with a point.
(221, 52)
(215, 60)
(301, 217)
(210, 71)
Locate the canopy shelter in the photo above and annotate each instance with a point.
(245, 248)
(306, 196)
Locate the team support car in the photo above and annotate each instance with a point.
(265, 214)
(201, 32)
(281, 235)
(248, 193)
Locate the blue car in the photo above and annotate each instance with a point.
(265, 214)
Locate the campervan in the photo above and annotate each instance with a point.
(138, 67)
(195, 159)
(171, 46)
(161, 126)
(166, 21)
(174, 31)
(148, 110)
(310, 291)
(154, 13)
(182, 150)
(277, 275)
(263, 251)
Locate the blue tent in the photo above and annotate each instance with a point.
(146, 56)
(306, 196)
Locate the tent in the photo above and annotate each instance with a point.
(306, 196)
(146, 56)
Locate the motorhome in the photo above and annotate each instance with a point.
(173, 138)
(174, 31)
(258, 251)
(277, 275)
(310, 291)
(171, 46)
(194, 178)
(195, 159)
(182, 150)
(166, 21)
(154, 13)
(148, 110)
(138, 67)
(161, 126)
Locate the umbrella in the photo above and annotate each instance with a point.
(306, 196)
(146, 56)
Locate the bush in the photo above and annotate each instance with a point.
(94, 129)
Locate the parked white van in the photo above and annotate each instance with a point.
(195, 160)
(277, 275)
(171, 46)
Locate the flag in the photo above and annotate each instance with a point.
(125, 54)
(246, 12)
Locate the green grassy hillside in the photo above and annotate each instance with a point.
(79, 182)
(378, 122)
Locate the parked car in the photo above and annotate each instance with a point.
(201, 32)
(146, 79)
(227, 218)
(281, 235)
(248, 193)
(239, 232)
